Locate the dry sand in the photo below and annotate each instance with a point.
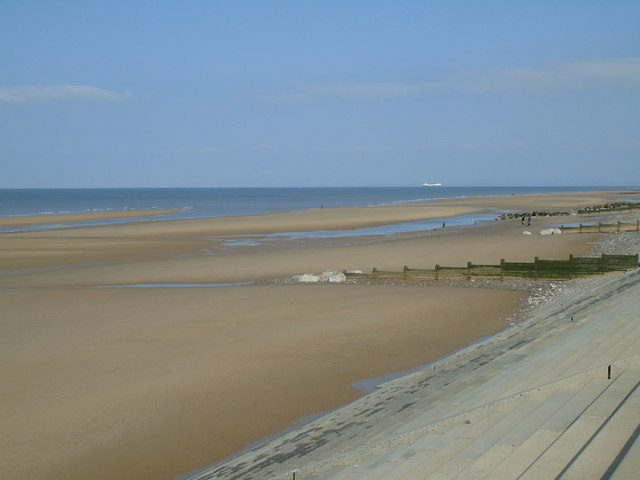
(151, 383)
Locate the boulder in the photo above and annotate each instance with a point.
(328, 276)
(333, 276)
(306, 278)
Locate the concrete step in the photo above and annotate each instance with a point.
(630, 464)
(523, 456)
(382, 466)
(446, 409)
(500, 384)
(512, 381)
(602, 343)
(632, 350)
(605, 347)
(503, 368)
(502, 439)
(571, 441)
(620, 425)
(498, 450)
(580, 354)
(422, 463)
(543, 369)
(497, 435)
(485, 439)
(398, 461)
(449, 462)
(548, 432)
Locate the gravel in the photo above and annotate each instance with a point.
(625, 243)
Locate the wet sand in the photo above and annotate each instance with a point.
(152, 383)
(26, 221)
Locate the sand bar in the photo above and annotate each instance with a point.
(141, 383)
(82, 262)
(140, 241)
(322, 219)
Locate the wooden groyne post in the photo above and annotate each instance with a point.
(550, 269)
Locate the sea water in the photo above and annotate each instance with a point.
(216, 202)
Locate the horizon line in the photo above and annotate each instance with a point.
(321, 186)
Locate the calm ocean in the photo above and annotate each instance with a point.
(216, 202)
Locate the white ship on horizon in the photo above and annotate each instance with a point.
(431, 184)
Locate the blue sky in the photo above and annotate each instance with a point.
(324, 93)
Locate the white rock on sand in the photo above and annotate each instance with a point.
(551, 231)
(328, 276)
(333, 276)
(306, 278)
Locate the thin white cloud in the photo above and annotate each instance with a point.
(562, 77)
(30, 94)
(553, 78)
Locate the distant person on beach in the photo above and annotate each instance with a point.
(442, 224)
(529, 221)
(523, 220)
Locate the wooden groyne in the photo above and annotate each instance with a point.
(603, 228)
(538, 269)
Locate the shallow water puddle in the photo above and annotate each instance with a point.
(255, 240)
(177, 285)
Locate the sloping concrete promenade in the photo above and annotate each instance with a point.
(556, 396)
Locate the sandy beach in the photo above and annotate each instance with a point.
(24, 221)
(156, 382)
